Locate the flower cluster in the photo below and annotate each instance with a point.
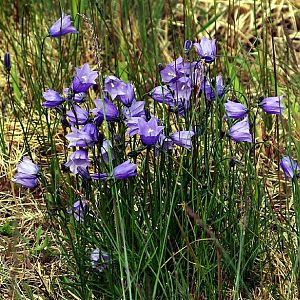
(180, 78)
(239, 132)
(183, 79)
(85, 125)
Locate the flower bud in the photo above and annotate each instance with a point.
(188, 44)
(160, 67)
(7, 64)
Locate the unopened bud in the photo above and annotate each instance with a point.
(7, 64)
(188, 44)
(160, 67)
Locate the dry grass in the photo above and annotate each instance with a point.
(21, 214)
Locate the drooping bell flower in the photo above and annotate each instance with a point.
(129, 96)
(272, 105)
(53, 99)
(168, 74)
(206, 49)
(99, 259)
(162, 94)
(125, 170)
(115, 87)
(235, 110)
(105, 109)
(182, 88)
(92, 130)
(133, 125)
(28, 167)
(62, 26)
(84, 79)
(137, 109)
(212, 88)
(172, 71)
(77, 115)
(149, 131)
(26, 180)
(183, 138)
(79, 210)
(79, 138)
(78, 158)
(122, 172)
(289, 166)
(27, 173)
(240, 132)
(181, 106)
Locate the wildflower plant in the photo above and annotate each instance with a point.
(149, 181)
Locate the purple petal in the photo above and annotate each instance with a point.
(240, 132)
(62, 26)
